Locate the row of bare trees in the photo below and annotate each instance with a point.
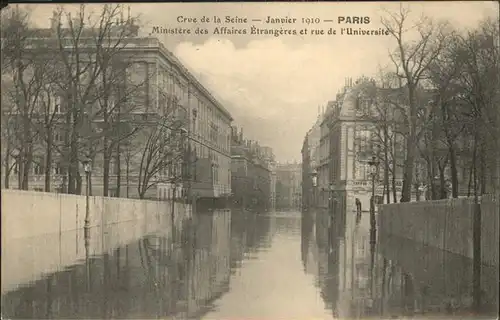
(436, 109)
(73, 93)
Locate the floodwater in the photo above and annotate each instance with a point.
(220, 264)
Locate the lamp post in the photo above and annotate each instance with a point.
(87, 167)
(373, 224)
(330, 201)
(314, 176)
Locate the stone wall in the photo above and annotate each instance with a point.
(433, 242)
(44, 232)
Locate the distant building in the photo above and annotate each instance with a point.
(252, 177)
(288, 186)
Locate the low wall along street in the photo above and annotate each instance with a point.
(433, 242)
(44, 232)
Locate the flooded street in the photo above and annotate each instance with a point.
(221, 264)
(218, 265)
(271, 283)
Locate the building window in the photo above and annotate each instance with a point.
(214, 133)
(58, 137)
(37, 169)
(58, 168)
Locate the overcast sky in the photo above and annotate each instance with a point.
(274, 85)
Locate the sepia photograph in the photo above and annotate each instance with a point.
(250, 160)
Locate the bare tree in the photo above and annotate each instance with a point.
(28, 66)
(10, 131)
(411, 60)
(443, 77)
(89, 49)
(479, 93)
(163, 153)
(379, 105)
(47, 123)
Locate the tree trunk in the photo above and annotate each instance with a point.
(408, 175)
(416, 185)
(48, 160)
(411, 144)
(442, 183)
(430, 177)
(469, 185)
(386, 165)
(105, 167)
(73, 154)
(483, 178)
(473, 173)
(27, 155)
(118, 170)
(90, 184)
(127, 164)
(28, 160)
(66, 152)
(7, 166)
(454, 171)
(73, 158)
(20, 165)
(394, 191)
(78, 181)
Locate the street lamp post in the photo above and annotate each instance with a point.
(330, 202)
(373, 224)
(87, 167)
(314, 176)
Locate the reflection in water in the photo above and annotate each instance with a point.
(216, 262)
(271, 283)
(321, 256)
(157, 276)
(341, 265)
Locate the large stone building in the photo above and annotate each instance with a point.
(170, 97)
(344, 144)
(252, 174)
(288, 186)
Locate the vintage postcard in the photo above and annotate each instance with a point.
(262, 160)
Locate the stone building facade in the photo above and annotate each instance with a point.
(310, 164)
(252, 177)
(288, 186)
(205, 168)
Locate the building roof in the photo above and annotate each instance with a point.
(349, 100)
